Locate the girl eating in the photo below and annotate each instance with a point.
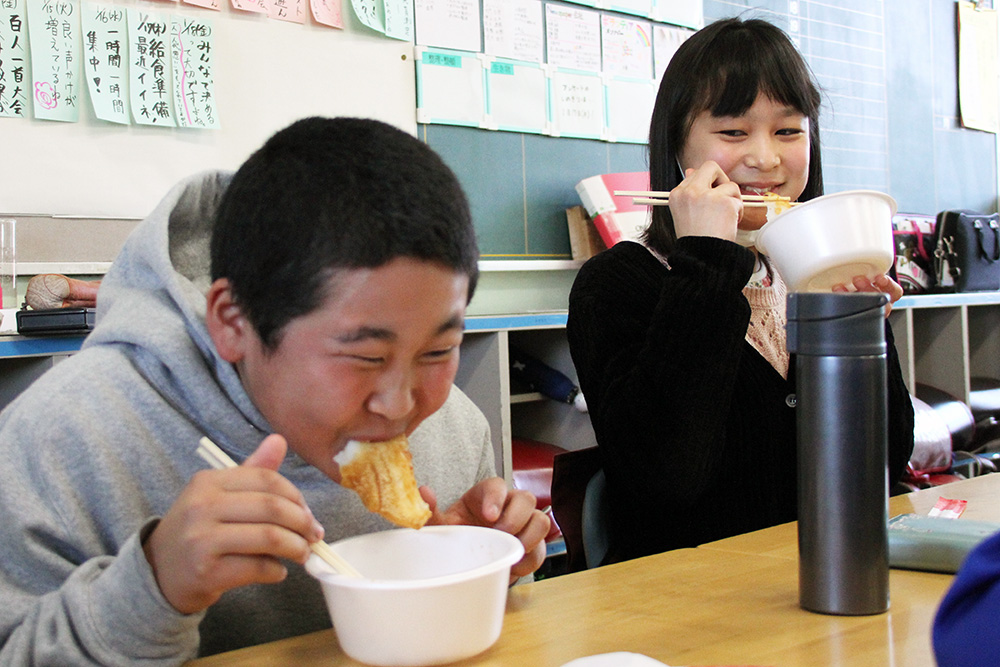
(679, 341)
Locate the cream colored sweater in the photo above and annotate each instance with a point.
(767, 322)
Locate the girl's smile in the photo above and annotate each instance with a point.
(764, 150)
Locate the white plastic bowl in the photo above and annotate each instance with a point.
(428, 596)
(829, 240)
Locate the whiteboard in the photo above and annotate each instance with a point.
(268, 74)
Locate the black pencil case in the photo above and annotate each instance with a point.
(55, 321)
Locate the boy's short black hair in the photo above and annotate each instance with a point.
(722, 68)
(328, 194)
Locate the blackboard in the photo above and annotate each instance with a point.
(890, 122)
(268, 74)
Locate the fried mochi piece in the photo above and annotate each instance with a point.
(776, 205)
(381, 473)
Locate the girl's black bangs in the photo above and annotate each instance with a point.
(764, 70)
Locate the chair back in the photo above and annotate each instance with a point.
(595, 520)
(572, 492)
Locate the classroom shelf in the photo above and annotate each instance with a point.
(530, 264)
(484, 374)
(943, 340)
(38, 346)
(25, 358)
(527, 397)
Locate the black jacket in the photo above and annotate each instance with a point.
(696, 430)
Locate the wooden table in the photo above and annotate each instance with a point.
(729, 602)
(982, 494)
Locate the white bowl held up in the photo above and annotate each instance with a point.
(427, 597)
(829, 240)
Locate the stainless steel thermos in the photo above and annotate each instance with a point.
(842, 423)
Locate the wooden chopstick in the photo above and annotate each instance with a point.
(218, 459)
(642, 193)
(654, 201)
(656, 196)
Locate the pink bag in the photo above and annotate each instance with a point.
(914, 237)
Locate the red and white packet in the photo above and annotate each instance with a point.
(948, 508)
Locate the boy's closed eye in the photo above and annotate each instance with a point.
(367, 359)
(442, 354)
(431, 356)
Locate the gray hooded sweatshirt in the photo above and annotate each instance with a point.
(102, 444)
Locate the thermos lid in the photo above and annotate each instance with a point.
(836, 323)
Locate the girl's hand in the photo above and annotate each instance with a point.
(706, 203)
(230, 528)
(883, 284)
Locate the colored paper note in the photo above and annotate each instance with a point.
(450, 88)
(666, 41)
(14, 86)
(399, 19)
(627, 47)
(574, 38)
(255, 6)
(293, 11)
(513, 29)
(629, 108)
(371, 13)
(327, 12)
(105, 60)
(517, 96)
(207, 4)
(150, 90)
(54, 42)
(577, 105)
(450, 24)
(192, 48)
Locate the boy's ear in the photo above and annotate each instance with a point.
(227, 325)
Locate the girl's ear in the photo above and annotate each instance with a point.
(227, 325)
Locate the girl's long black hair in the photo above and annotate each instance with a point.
(722, 68)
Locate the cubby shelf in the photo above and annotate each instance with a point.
(484, 374)
(943, 340)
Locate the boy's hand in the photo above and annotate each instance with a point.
(490, 503)
(230, 528)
